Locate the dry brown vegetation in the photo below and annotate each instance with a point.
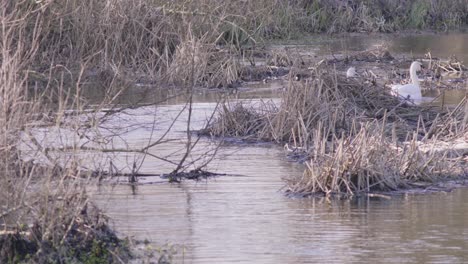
(50, 51)
(152, 40)
(45, 212)
(357, 137)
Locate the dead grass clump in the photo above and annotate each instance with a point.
(369, 162)
(280, 58)
(305, 106)
(451, 125)
(336, 103)
(447, 68)
(239, 120)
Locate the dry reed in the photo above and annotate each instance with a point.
(151, 39)
(45, 212)
(369, 162)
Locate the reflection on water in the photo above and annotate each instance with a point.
(445, 97)
(152, 94)
(245, 218)
(441, 46)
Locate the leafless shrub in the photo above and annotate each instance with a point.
(44, 200)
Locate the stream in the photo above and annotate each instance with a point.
(244, 217)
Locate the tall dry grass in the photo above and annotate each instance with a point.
(383, 16)
(150, 39)
(45, 212)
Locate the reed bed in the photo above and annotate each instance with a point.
(356, 137)
(370, 162)
(328, 100)
(152, 40)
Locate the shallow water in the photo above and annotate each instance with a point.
(441, 46)
(248, 220)
(244, 217)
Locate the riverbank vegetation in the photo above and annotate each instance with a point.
(153, 40)
(45, 212)
(353, 136)
(51, 52)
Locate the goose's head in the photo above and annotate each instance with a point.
(416, 66)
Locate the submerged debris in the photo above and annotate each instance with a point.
(197, 175)
(262, 73)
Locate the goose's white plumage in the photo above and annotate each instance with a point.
(412, 90)
(351, 72)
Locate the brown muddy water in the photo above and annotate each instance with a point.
(244, 217)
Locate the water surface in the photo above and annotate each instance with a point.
(244, 217)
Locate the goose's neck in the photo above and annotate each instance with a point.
(414, 76)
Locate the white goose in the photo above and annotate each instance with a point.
(412, 90)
